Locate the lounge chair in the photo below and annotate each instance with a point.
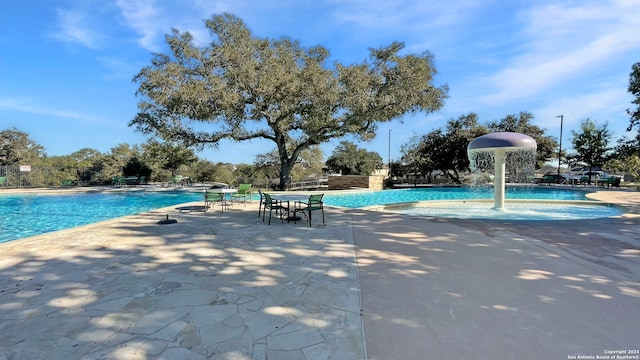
(68, 183)
(275, 205)
(244, 192)
(314, 203)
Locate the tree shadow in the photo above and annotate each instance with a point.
(215, 283)
(461, 287)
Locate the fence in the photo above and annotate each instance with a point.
(16, 176)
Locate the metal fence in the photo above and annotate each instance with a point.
(18, 176)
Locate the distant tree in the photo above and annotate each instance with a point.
(634, 89)
(89, 162)
(309, 163)
(245, 87)
(268, 164)
(136, 167)
(113, 162)
(628, 165)
(591, 144)
(223, 173)
(16, 148)
(244, 171)
(349, 159)
(625, 157)
(202, 171)
(59, 168)
(521, 123)
(415, 159)
(446, 149)
(167, 155)
(626, 147)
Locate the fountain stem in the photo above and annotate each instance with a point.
(498, 179)
(499, 144)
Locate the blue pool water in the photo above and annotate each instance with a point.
(480, 210)
(448, 193)
(28, 215)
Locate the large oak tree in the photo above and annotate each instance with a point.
(243, 87)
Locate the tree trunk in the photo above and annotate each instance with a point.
(285, 175)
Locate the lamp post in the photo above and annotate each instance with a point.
(560, 147)
(389, 155)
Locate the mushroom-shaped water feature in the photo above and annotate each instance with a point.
(499, 144)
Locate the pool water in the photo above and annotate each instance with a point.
(28, 215)
(513, 211)
(385, 197)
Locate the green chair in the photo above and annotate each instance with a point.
(244, 192)
(68, 183)
(314, 203)
(3, 180)
(213, 198)
(275, 205)
(118, 181)
(261, 201)
(180, 180)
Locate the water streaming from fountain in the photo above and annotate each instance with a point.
(498, 149)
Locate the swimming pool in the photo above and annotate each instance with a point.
(28, 215)
(385, 197)
(524, 203)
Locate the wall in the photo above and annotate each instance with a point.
(373, 182)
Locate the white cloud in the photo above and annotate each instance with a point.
(34, 107)
(609, 103)
(144, 17)
(559, 42)
(74, 28)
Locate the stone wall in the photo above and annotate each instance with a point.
(373, 182)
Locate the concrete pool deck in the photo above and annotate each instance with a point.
(366, 285)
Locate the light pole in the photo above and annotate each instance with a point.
(389, 156)
(560, 147)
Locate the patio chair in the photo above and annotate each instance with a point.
(213, 198)
(118, 181)
(275, 205)
(261, 201)
(244, 192)
(314, 203)
(3, 180)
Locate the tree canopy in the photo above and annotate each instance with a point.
(634, 89)
(244, 87)
(16, 147)
(445, 149)
(591, 143)
(521, 123)
(349, 159)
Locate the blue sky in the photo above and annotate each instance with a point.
(66, 67)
